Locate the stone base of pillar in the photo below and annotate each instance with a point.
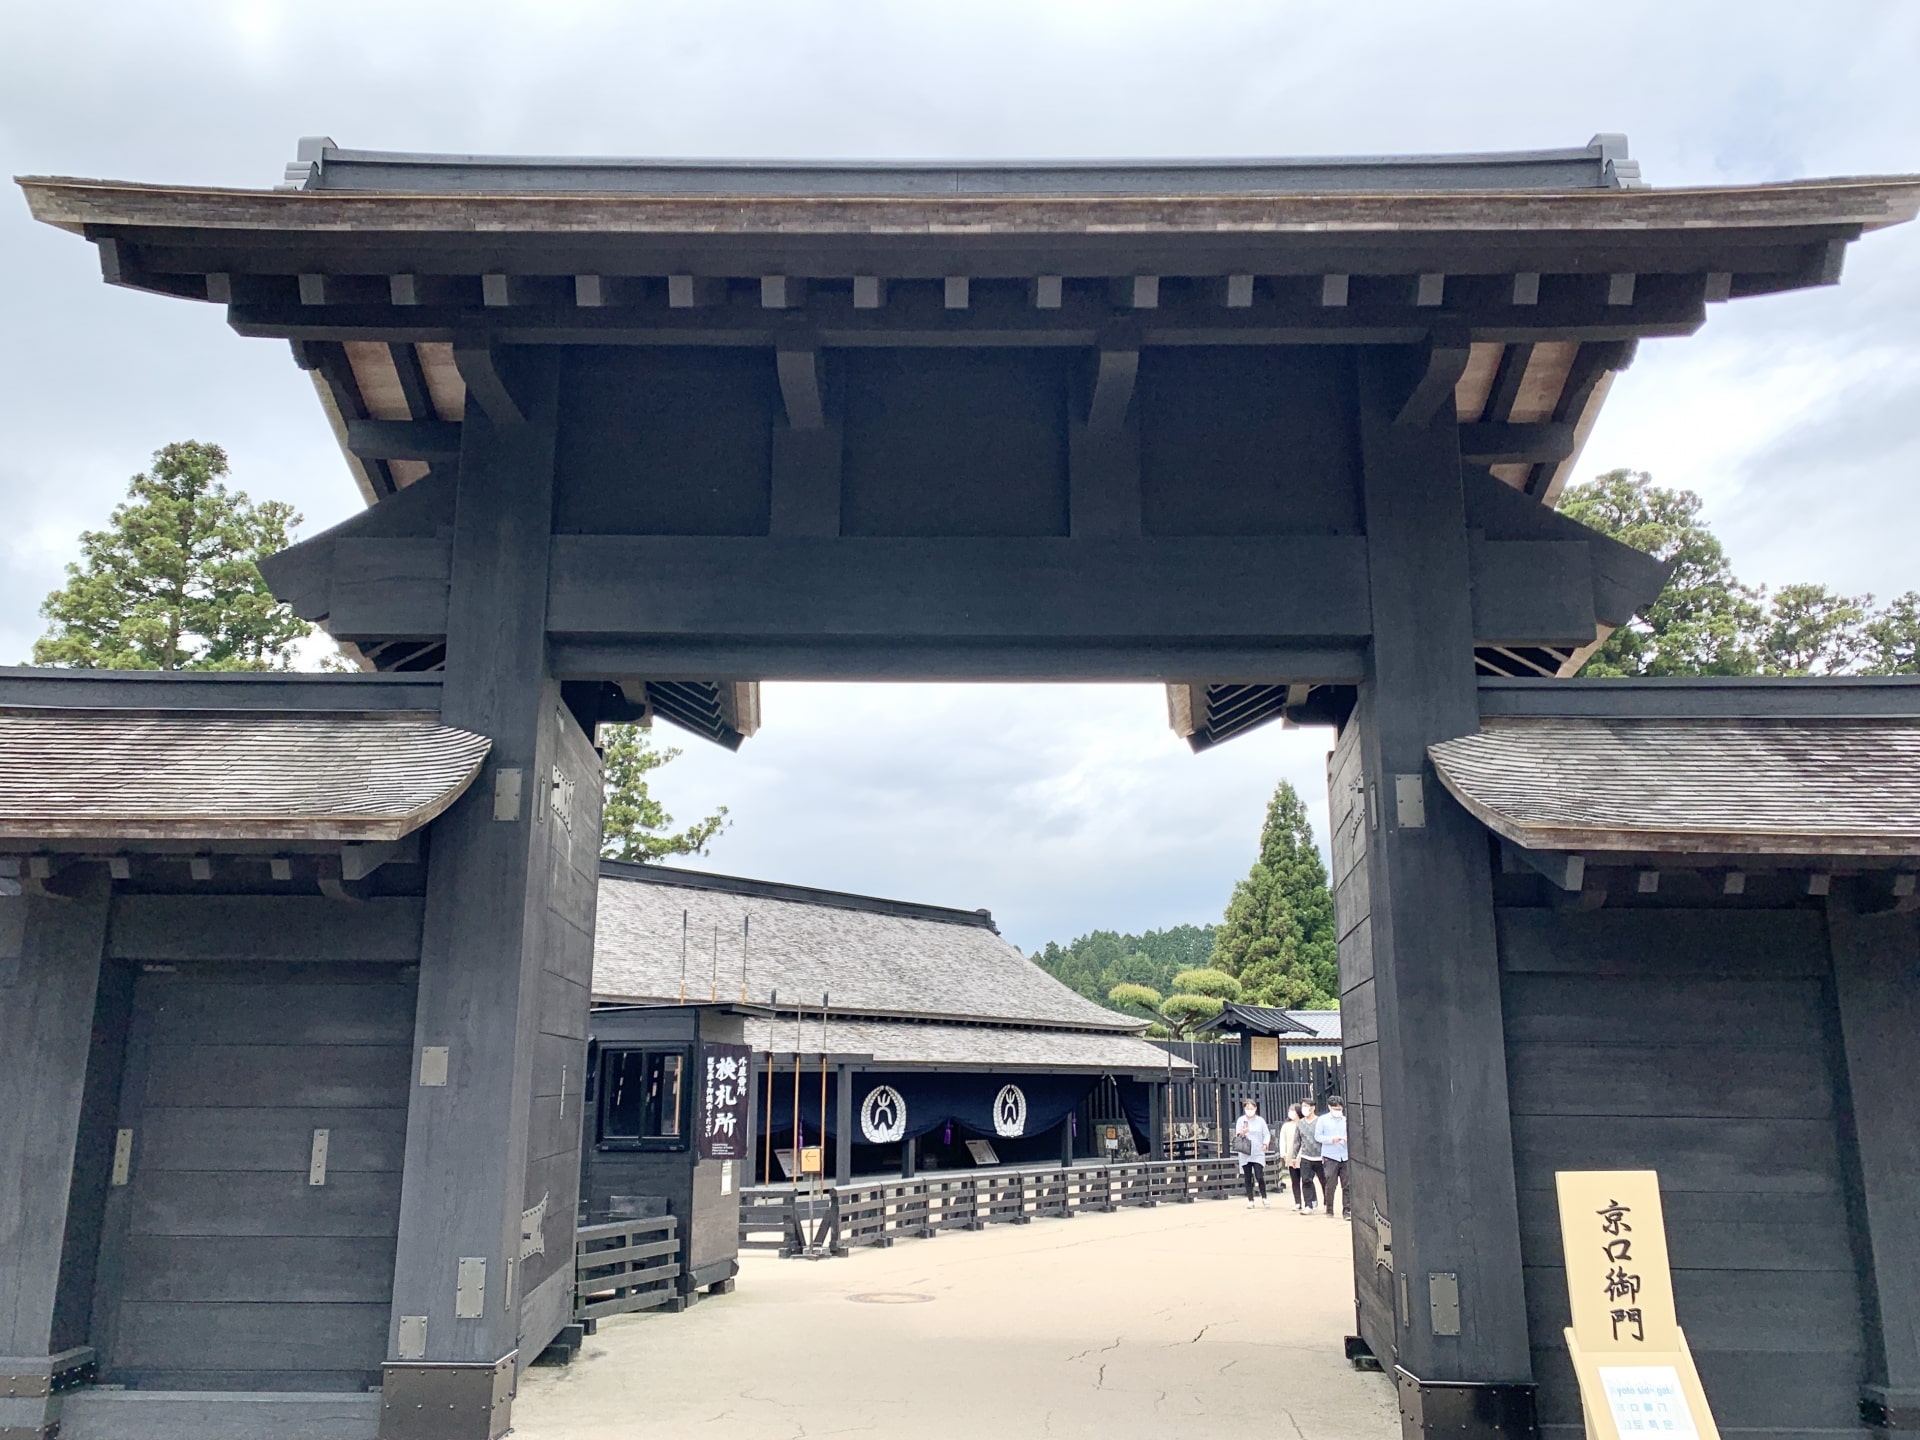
(1465, 1410)
(425, 1400)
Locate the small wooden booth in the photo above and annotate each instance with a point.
(260, 1150)
(667, 1131)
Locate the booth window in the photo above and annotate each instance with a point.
(643, 1099)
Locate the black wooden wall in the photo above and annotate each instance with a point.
(1702, 1042)
(228, 1030)
(1374, 1281)
(1230, 441)
(563, 939)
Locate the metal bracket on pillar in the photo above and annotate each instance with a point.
(1465, 1410)
(1446, 360)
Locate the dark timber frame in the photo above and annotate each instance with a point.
(1284, 435)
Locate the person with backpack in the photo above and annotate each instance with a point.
(1306, 1146)
(1251, 1137)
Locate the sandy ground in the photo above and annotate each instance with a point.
(1183, 1321)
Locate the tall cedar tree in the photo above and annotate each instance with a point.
(635, 826)
(173, 582)
(1277, 938)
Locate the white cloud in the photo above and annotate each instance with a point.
(1061, 808)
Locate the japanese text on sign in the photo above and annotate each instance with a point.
(724, 1084)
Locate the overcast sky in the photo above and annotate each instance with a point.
(1063, 809)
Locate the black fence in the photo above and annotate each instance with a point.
(878, 1211)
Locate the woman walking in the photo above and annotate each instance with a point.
(1251, 1137)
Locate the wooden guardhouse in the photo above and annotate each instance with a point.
(667, 1130)
(1263, 1031)
(1284, 435)
(938, 1036)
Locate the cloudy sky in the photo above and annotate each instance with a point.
(1061, 808)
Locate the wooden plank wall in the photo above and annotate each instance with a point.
(224, 1267)
(1367, 1174)
(1700, 1043)
(565, 979)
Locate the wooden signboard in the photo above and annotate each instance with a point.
(1636, 1375)
(1266, 1053)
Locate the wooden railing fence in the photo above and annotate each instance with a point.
(624, 1265)
(877, 1212)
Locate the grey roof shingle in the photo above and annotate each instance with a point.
(871, 963)
(106, 774)
(1692, 786)
(898, 1042)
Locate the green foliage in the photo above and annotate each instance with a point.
(1204, 981)
(1706, 622)
(1277, 938)
(1093, 964)
(1174, 1016)
(1809, 630)
(173, 581)
(634, 825)
(1893, 638)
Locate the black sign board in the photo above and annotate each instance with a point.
(723, 1102)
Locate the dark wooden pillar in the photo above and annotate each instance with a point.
(1157, 1120)
(750, 1172)
(909, 1152)
(1442, 1082)
(50, 953)
(1066, 1139)
(843, 1124)
(1876, 969)
(457, 1301)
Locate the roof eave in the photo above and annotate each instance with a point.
(1866, 202)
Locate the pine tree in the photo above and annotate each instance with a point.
(1277, 938)
(634, 826)
(173, 581)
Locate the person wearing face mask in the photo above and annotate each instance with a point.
(1251, 1137)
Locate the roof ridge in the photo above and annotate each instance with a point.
(797, 894)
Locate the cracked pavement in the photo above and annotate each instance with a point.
(1179, 1323)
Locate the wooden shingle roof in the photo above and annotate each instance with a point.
(1692, 785)
(141, 775)
(877, 959)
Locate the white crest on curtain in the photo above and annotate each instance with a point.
(883, 1116)
(1010, 1113)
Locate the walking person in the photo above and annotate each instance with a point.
(1290, 1152)
(1307, 1145)
(1331, 1131)
(1251, 1137)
